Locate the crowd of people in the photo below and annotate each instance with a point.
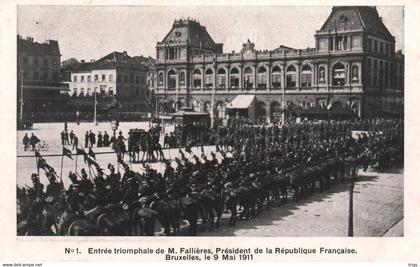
(264, 163)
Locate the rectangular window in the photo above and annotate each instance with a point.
(143, 80)
(375, 46)
(137, 80)
(234, 82)
(209, 81)
(291, 80)
(381, 48)
(88, 79)
(75, 79)
(276, 81)
(306, 80)
(110, 78)
(119, 78)
(82, 79)
(369, 74)
(249, 81)
(221, 81)
(262, 81)
(375, 73)
(197, 83)
(103, 77)
(386, 74)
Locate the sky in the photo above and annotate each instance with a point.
(88, 32)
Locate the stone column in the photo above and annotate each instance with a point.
(255, 75)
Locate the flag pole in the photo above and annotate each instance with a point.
(36, 162)
(75, 168)
(62, 159)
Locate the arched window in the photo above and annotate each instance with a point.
(321, 74)
(209, 78)
(248, 78)
(234, 78)
(197, 78)
(306, 76)
(276, 77)
(182, 78)
(338, 75)
(172, 53)
(160, 78)
(221, 78)
(355, 73)
(291, 76)
(262, 77)
(171, 79)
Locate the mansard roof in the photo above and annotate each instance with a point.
(113, 60)
(191, 32)
(354, 18)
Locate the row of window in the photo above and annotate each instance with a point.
(383, 74)
(88, 92)
(338, 77)
(380, 48)
(38, 61)
(39, 75)
(120, 78)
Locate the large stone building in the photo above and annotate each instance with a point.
(38, 76)
(353, 70)
(115, 76)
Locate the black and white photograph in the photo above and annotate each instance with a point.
(226, 121)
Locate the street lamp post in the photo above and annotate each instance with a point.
(94, 108)
(350, 230)
(21, 95)
(283, 114)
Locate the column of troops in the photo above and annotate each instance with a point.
(251, 167)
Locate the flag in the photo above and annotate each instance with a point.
(91, 153)
(42, 164)
(67, 153)
(80, 151)
(121, 161)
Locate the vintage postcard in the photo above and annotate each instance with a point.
(210, 132)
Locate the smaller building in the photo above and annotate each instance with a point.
(115, 76)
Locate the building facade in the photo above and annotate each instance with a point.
(116, 76)
(353, 69)
(38, 76)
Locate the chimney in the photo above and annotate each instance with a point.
(82, 61)
(125, 53)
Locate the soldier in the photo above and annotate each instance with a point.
(75, 142)
(71, 137)
(33, 141)
(86, 139)
(100, 144)
(25, 142)
(85, 184)
(92, 139)
(36, 192)
(106, 139)
(53, 188)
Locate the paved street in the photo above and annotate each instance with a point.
(378, 211)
